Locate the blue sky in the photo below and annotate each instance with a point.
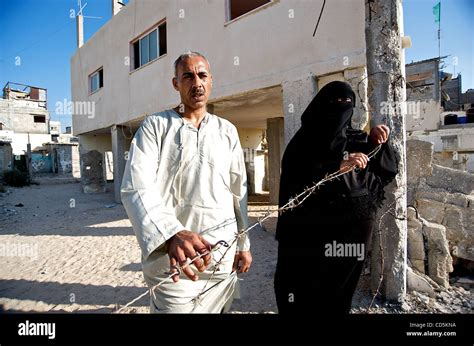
(40, 36)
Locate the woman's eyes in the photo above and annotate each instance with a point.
(342, 100)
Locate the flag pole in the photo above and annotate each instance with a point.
(439, 32)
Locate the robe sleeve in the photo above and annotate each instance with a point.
(385, 163)
(152, 222)
(238, 183)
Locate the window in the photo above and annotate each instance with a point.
(96, 80)
(39, 118)
(149, 47)
(238, 8)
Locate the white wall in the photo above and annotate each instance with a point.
(20, 140)
(423, 115)
(250, 138)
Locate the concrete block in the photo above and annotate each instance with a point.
(453, 221)
(419, 159)
(451, 180)
(415, 244)
(440, 262)
(418, 283)
(440, 195)
(431, 210)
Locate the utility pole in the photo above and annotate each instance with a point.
(387, 95)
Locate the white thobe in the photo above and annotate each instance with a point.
(178, 177)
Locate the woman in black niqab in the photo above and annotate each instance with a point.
(312, 273)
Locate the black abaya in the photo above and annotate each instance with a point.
(340, 212)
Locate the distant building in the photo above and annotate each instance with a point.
(438, 114)
(452, 92)
(423, 94)
(54, 130)
(24, 116)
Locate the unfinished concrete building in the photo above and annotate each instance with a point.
(25, 119)
(24, 116)
(266, 66)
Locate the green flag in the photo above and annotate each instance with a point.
(437, 12)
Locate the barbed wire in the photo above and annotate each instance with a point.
(291, 204)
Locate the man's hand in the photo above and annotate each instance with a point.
(355, 159)
(242, 261)
(379, 134)
(183, 247)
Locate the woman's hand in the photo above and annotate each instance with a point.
(359, 160)
(379, 134)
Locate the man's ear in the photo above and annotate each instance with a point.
(175, 83)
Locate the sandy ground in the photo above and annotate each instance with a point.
(64, 251)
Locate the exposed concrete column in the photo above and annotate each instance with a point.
(386, 90)
(276, 142)
(296, 97)
(29, 166)
(118, 152)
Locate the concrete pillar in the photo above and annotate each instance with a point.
(118, 152)
(92, 172)
(29, 166)
(386, 90)
(80, 30)
(276, 141)
(296, 97)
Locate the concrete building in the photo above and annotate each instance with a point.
(423, 95)
(266, 68)
(54, 129)
(24, 116)
(453, 145)
(449, 130)
(451, 89)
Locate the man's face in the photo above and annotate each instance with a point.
(194, 82)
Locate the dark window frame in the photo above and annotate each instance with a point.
(159, 31)
(234, 13)
(39, 119)
(100, 80)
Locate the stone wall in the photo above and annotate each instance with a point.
(441, 230)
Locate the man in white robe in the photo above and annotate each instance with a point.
(184, 190)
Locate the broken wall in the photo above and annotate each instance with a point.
(443, 230)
